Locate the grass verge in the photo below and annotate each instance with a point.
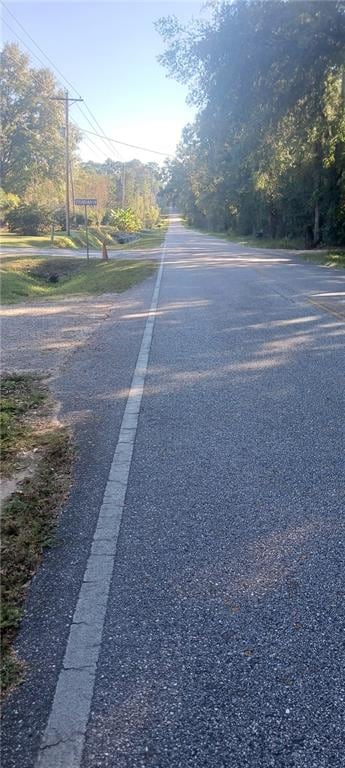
(36, 277)
(31, 439)
(151, 238)
(252, 241)
(330, 257)
(12, 240)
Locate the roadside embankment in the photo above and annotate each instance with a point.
(35, 277)
(35, 472)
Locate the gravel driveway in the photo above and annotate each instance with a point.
(40, 336)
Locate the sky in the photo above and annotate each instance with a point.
(108, 51)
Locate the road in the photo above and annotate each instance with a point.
(192, 615)
(129, 253)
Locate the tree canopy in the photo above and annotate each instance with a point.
(32, 147)
(32, 154)
(267, 149)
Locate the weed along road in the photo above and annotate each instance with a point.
(191, 613)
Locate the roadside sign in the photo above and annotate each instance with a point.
(85, 201)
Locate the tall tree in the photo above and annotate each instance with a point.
(268, 142)
(32, 148)
(133, 185)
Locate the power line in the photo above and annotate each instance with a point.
(101, 136)
(107, 141)
(26, 46)
(56, 69)
(98, 126)
(92, 146)
(89, 141)
(40, 49)
(39, 84)
(133, 146)
(67, 99)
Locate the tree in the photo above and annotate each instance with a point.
(125, 220)
(33, 145)
(33, 150)
(267, 147)
(90, 183)
(133, 185)
(29, 219)
(8, 203)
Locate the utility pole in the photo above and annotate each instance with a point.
(72, 187)
(66, 99)
(123, 184)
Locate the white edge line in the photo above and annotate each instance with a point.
(63, 739)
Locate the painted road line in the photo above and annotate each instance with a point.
(63, 740)
(339, 314)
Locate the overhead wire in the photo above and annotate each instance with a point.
(61, 75)
(25, 45)
(55, 67)
(97, 125)
(101, 136)
(88, 141)
(133, 146)
(39, 48)
(106, 140)
(90, 144)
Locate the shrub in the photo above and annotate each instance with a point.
(59, 216)
(29, 220)
(107, 217)
(152, 216)
(79, 219)
(8, 202)
(125, 220)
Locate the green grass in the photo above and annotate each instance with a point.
(12, 240)
(268, 242)
(19, 394)
(331, 257)
(144, 240)
(255, 242)
(328, 258)
(148, 239)
(36, 277)
(29, 515)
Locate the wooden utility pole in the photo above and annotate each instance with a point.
(123, 184)
(66, 99)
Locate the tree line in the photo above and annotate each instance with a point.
(32, 159)
(266, 153)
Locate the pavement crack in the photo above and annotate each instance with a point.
(53, 744)
(102, 554)
(80, 623)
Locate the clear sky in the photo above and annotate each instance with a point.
(108, 50)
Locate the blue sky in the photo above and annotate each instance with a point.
(108, 50)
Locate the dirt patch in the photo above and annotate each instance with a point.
(37, 456)
(9, 486)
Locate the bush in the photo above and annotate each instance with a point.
(29, 220)
(152, 216)
(107, 217)
(79, 219)
(125, 220)
(8, 203)
(59, 216)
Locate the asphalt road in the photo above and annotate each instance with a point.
(223, 637)
(129, 253)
